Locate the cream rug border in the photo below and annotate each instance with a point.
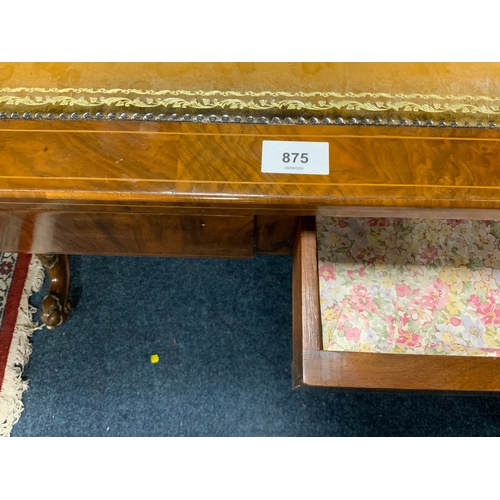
(11, 405)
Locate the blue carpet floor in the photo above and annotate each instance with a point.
(222, 330)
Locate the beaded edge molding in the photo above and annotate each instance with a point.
(249, 120)
(303, 107)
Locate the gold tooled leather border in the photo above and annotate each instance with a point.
(266, 104)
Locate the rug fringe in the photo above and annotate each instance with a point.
(11, 405)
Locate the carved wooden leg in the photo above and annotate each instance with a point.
(55, 307)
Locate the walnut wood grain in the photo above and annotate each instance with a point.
(56, 306)
(313, 367)
(218, 165)
(145, 234)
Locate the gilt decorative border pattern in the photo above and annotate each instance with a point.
(261, 107)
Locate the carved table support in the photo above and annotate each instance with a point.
(55, 306)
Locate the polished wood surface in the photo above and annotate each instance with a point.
(56, 306)
(403, 372)
(218, 167)
(314, 367)
(108, 233)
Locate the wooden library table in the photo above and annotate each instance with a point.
(113, 160)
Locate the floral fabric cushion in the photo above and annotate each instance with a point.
(410, 285)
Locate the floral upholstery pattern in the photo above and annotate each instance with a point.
(416, 286)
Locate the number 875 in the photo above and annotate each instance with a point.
(287, 157)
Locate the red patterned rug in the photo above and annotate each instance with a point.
(20, 276)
